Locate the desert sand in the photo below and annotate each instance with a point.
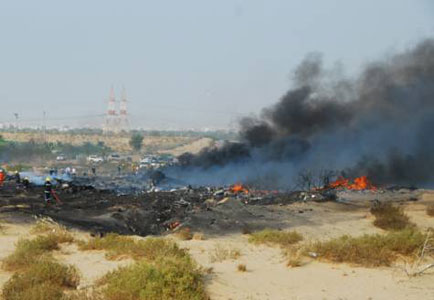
(267, 275)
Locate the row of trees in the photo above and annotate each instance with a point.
(27, 151)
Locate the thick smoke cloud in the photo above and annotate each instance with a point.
(380, 125)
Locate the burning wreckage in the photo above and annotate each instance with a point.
(378, 127)
(125, 205)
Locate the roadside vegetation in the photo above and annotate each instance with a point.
(390, 217)
(28, 151)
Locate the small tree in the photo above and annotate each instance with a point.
(136, 141)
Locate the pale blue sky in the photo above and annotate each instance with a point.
(190, 63)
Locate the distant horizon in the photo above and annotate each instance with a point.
(188, 64)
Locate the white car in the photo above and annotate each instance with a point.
(95, 159)
(60, 157)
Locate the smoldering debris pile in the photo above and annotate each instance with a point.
(153, 212)
(379, 125)
(149, 212)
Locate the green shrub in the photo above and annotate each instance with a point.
(390, 217)
(117, 246)
(27, 251)
(43, 279)
(370, 250)
(167, 278)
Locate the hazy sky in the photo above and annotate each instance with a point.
(184, 63)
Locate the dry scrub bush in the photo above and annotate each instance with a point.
(222, 253)
(42, 280)
(53, 230)
(27, 251)
(390, 217)
(295, 256)
(118, 246)
(270, 236)
(370, 250)
(83, 295)
(242, 268)
(184, 234)
(168, 278)
(430, 210)
(46, 225)
(163, 270)
(424, 260)
(198, 236)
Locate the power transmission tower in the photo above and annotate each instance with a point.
(124, 124)
(110, 124)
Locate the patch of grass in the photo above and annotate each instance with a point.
(167, 278)
(198, 236)
(53, 229)
(276, 237)
(27, 251)
(163, 270)
(242, 268)
(45, 225)
(42, 280)
(184, 234)
(390, 217)
(430, 210)
(83, 295)
(118, 246)
(222, 253)
(370, 250)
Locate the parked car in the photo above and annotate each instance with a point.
(114, 157)
(95, 159)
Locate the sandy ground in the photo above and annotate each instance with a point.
(193, 147)
(268, 276)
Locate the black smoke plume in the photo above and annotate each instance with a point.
(380, 125)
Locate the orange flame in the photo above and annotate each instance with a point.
(239, 188)
(359, 183)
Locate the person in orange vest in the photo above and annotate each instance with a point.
(2, 177)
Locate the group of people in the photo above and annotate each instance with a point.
(67, 171)
(25, 182)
